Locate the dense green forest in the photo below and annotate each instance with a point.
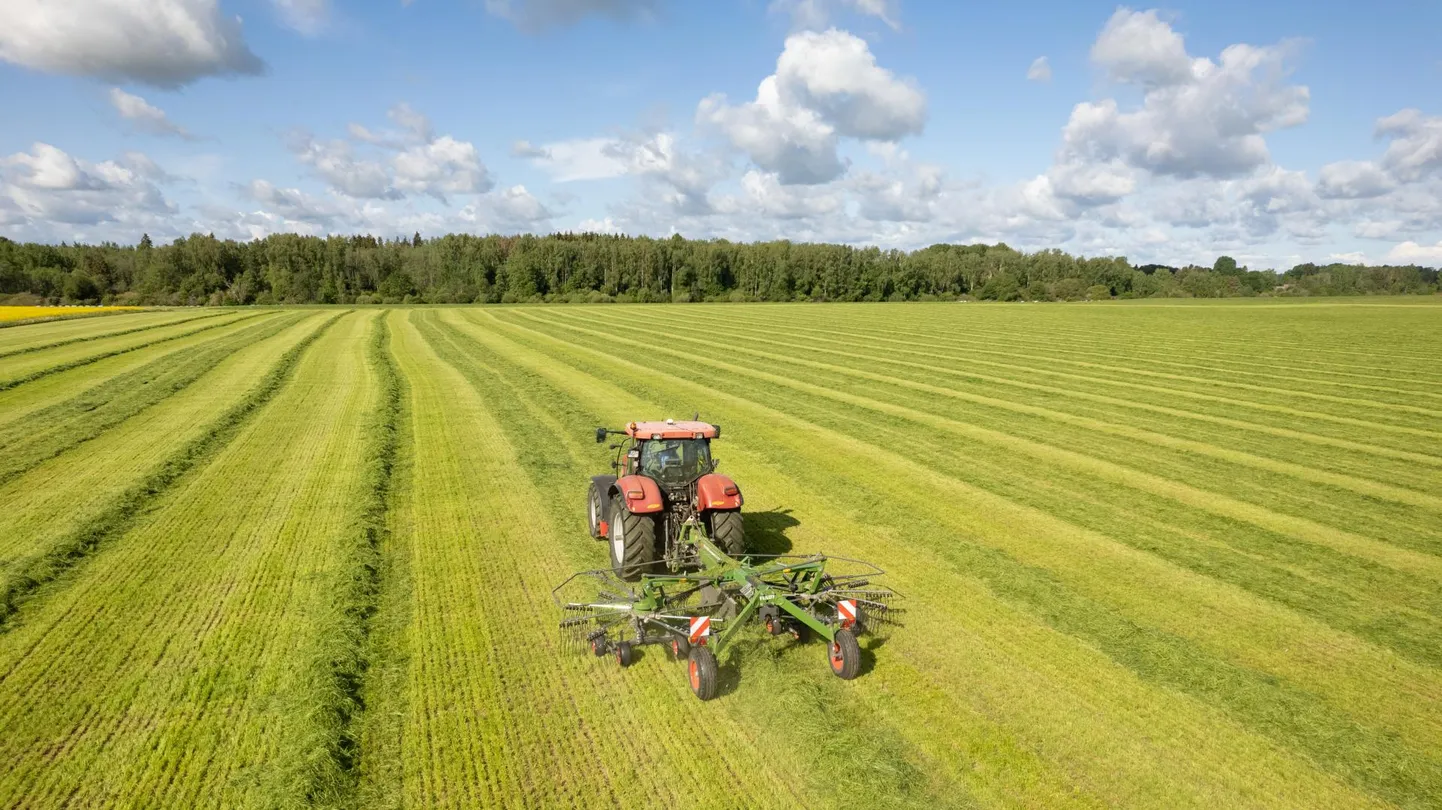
(287, 268)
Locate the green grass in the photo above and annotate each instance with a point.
(1155, 554)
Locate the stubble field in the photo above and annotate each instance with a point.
(1155, 555)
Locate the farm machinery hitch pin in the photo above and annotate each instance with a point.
(698, 613)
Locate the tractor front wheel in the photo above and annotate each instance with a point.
(633, 541)
(728, 532)
(844, 655)
(701, 669)
(596, 511)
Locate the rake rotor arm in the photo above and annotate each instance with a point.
(718, 594)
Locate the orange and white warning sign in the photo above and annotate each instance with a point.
(846, 612)
(700, 628)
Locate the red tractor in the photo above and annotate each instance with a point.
(665, 475)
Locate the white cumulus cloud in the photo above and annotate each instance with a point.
(1416, 148)
(535, 15)
(1353, 179)
(1040, 70)
(164, 43)
(407, 160)
(1413, 253)
(816, 15)
(442, 166)
(50, 188)
(143, 115)
(827, 85)
(309, 17)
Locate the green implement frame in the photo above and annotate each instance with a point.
(699, 609)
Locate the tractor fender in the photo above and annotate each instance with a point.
(650, 500)
(717, 492)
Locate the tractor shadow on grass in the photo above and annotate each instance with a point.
(869, 645)
(766, 531)
(728, 676)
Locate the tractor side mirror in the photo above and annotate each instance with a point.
(615, 447)
(600, 435)
(615, 465)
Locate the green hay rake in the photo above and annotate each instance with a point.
(699, 609)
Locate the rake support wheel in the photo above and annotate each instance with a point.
(701, 670)
(844, 655)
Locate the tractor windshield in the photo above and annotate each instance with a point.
(675, 461)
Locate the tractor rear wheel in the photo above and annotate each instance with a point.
(633, 541)
(844, 655)
(728, 532)
(701, 669)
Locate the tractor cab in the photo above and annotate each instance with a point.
(674, 462)
(671, 453)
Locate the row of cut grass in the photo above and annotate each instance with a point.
(48, 432)
(494, 714)
(951, 608)
(21, 402)
(27, 572)
(1377, 664)
(25, 368)
(49, 335)
(165, 671)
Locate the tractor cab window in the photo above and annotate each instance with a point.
(675, 461)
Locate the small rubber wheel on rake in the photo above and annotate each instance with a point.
(701, 670)
(844, 655)
(598, 646)
(799, 632)
(624, 656)
(680, 647)
(775, 626)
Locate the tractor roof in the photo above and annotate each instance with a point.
(670, 429)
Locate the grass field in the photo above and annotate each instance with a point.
(1155, 555)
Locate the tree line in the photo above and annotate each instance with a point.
(596, 268)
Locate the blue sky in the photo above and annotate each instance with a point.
(1276, 132)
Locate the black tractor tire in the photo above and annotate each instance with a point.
(596, 510)
(728, 532)
(844, 655)
(624, 654)
(632, 542)
(701, 670)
